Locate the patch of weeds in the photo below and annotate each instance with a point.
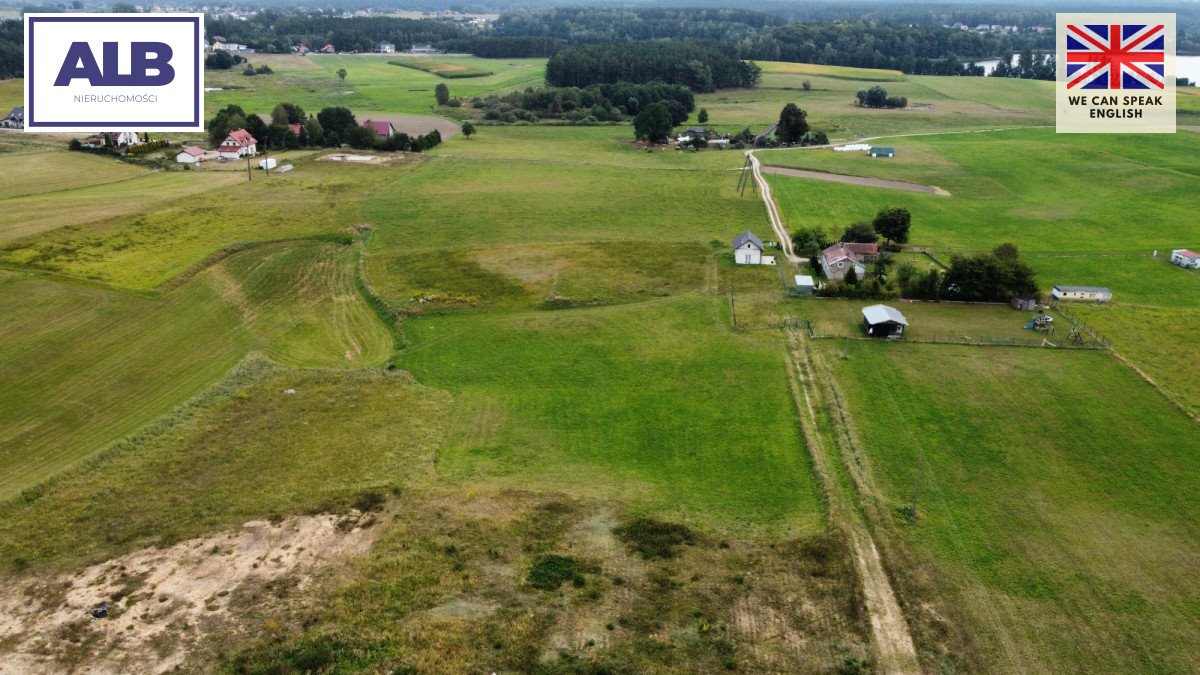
(852, 665)
(551, 571)
(370, 500)
(655, 539)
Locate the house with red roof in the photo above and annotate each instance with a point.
(328, 49)
(1185, 258)
(295, 129)
(239, 143)
(190, 155)
(381, 129)
(839, 259)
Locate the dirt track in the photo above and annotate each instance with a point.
(856, 180)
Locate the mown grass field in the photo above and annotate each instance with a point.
(85, 366)
(443, 69)
(958, 102)
(931, 321)
(1056, 505)
(372, 84)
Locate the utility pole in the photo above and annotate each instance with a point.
(249, 176)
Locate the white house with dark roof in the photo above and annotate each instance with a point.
(747, 249)
(1094, 293)
(15, 119)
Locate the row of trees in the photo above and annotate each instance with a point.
(601, 102)
(701, 67)
(1027, 66)
(997, 276)
(275, 31)
(892, 224)
(331, 127)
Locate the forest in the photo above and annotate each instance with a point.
(596, 104)
(699, 66)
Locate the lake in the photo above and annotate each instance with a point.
(1185, 66)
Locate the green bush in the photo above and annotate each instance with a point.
(551, 571)
(653, 538)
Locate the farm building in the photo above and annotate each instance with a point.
(1025, 303)
(15, 119)
(1097, 293)
(1186, 258)
(766, 133)
(300, 49)
(747, 249)
(805, 285)
(190, 155)
(383, 129)
(115, 139)
(328, 49)
(239, 143)
(385, 48)
(422, 49)
(882, 151)
(229, 47)
(884, 322)
(837, 260)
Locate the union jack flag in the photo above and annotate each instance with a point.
(1115, 56)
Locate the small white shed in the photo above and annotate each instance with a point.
(805, 285)
(268, 163)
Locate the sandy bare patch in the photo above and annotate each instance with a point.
(165, 603)
(856, 180)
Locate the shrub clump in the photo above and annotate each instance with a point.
(653, 538)
(551, 571)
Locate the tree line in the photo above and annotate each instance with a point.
(330, 128)
(699, 66)
(275, 31)
(587, 105)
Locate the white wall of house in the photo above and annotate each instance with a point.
(747, 254)
(841, 268)
(184, 158)
(1184, 261)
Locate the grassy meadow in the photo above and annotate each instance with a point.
(519, 342)
(1056, 508)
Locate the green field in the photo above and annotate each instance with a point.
(372, 84)
(521, 342)
(443, 69)
(1056, 511)
(1046, 204)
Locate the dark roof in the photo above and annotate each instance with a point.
(18, 113)
(882, 150)
(766, 132)
(745, 237)
(1084, 289)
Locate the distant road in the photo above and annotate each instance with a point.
(855, 180)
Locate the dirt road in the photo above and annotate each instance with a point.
(856, 180)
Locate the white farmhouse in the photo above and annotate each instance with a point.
(1186, 258)
(1096, 293)
(747, 249)
(237, 144)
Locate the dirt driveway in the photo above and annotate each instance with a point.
(856, 180)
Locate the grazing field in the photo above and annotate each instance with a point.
(42, 173)
(545, 399)
(441, 68)
(1057, 506)
(932, 321)
(86, 366)
(372, 84)
(148, 230)
(957, 103)
(1046, 204)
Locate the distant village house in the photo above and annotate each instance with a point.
(385, 48)
(381, 129)
(882, 151)
(15, 119)
(190, 155)
(422, 49)
(239, 143)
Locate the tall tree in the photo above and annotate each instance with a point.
(893, 224)
(793, 124)
(341, 73)
(468, 129)
(653, 124)
(279, 116)
(441, 93)
(702, 116)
